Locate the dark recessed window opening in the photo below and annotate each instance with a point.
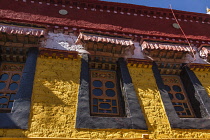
(10, 75)
(104, 93)
(176, 91)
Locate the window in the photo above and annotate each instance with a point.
(16, 82)
(98, 109)
(10, 75)
(104, 95)
(178, 96)
(185, 100)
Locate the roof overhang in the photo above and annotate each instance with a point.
(166, 46)
(22, 30)
(104, 39)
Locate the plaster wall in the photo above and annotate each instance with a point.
(204, 77)
(54, 104)
(152, 106)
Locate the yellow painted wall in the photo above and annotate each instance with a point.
(204, 78)
(54, 104)
(153, 108)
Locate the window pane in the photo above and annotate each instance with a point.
(179, 96)
(109, 84)
(177, 88)
(110, 93)
(2, 85)
(3, 100)
(104, 105)
(179, 108)
(10, 105)
(171, 96)
(97, 83)
(16, 77)
(167, 88)
(13, 86)
(4, 77)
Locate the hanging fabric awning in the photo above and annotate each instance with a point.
(104, 39)
(166, 46)
(23, 30)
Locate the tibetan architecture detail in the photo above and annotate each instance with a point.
(11, 29)
(104, 39)
(92, 69)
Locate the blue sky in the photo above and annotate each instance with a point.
(198, 6)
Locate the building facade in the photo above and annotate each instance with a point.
(88, 69)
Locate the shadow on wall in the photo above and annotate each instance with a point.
(55, 94)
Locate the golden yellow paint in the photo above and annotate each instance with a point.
(204, 77)
(54, 104)
(154, 111)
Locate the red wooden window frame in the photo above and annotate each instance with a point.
(104, 93)
(178, 96)
(10, 75)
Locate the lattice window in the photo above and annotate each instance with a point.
(104, 94)
(178, 96)
(10, 75)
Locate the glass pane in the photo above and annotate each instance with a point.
(177, 103)
(177, 88)
(95, 109)
(97, 92)
(104, 105)
(171, 96)
(4, 106)
(179, 96)
(167, 88)
(102, 111)
(1, 94)
(16, 77)
(13, 86)
(10, 105)
(185, 105)
(12, 96)
(101, 100)
(179, 108)
(2, 85)
(108, 100)
(3, 100)
(97, 83)
(188, 112)
(114, 109)
(108, 111)
(95, 101)
(114, 103)
(109, 84)
(4, 77)
(184, 114)
(110, 93)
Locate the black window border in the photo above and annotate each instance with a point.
(134, 119)
(197, 92)
(19, 116)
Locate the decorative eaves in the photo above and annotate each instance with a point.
(103, 39)
(23, 30)
(166, 46)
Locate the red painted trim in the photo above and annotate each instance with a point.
(35, 13)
